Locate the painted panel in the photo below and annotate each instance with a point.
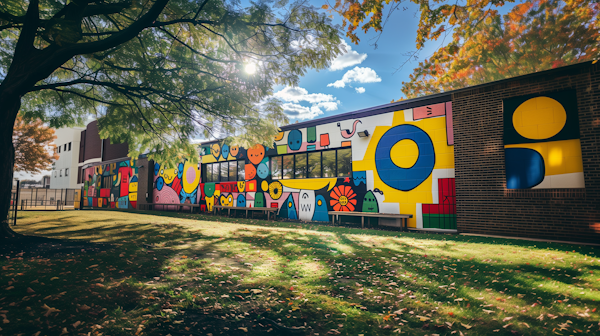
(405, 165)
(541, 142)
(111, 185)
(180, 185)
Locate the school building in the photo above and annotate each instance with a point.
(517, 157)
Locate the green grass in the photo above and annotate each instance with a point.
(184, 274)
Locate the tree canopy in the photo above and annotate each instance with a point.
(481, 44)
(156, 73)
(33, 146)
(533, 36)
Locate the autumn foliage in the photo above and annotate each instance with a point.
(485, 45)
(33, 146)
(533, 36)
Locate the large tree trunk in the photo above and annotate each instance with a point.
(9, 108)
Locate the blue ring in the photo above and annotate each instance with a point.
(404, 179)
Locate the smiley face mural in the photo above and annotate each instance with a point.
(405, 165)
(177, 185)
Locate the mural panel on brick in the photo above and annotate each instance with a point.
(541, 142)
(175, 185)
(111, 185)
(398, 162)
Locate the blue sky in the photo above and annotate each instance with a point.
(320, 93)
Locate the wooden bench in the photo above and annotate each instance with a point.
(150, 206)
(401, 221)
(267, 211)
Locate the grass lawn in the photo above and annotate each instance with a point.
(182, 274)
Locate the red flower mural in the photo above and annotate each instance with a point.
(342, 198)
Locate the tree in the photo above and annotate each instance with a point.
(533, 36)
(157, 72)
(32, 142)
(484, 45)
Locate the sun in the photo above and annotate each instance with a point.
(250, 68)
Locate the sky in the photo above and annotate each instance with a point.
(364, 76)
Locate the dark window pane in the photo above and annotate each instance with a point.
(224, 176)
(344, 162)
(69, 146)
(276, 167)
(300, 166)
(216, 172)
(329, 164)
(232, 170)
(314, 164)
(288, 166)
(241, 170)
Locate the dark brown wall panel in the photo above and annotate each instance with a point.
(93, 143)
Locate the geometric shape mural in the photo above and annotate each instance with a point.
(541, 141)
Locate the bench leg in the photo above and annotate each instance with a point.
(362, 222)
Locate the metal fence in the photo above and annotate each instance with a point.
(45, 199)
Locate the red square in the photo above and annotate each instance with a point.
(95, 202)
(251, 186)
(105, 192)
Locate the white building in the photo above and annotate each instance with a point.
(64, 170)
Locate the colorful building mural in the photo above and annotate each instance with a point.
(398, 162)
(175, 185)
(112, 185)
(541, 142)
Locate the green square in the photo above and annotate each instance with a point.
(282, 149)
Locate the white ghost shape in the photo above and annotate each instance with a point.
(306, 205)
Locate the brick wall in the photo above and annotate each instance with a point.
(484, 205)
(114, 151)
(93, 143)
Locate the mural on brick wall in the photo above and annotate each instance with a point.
(175, 185)
(541, 142)
(398, 162)
(111, 185)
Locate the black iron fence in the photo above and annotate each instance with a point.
(13, 208)
(45, 199)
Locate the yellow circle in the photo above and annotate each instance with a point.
(289, 204)
(319, 202)
(539, 118)
(405, 153)
(343, 200)
(264, 185)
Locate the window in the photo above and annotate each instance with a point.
(288, 166)
(65, 149)
(344, 162)
(314, 164)
(66, 171)
(329, 169)
(69, 146)
(232, 170)
(300, 165)
(60, 174)
(55, 173)
(224, 175)
(105, 182)
(241, 170)
(58, 149)
(276, 166)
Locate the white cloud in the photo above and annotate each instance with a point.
(298, 94)
(295, 95)
(347, 59)
(360, 89)
(358, 74)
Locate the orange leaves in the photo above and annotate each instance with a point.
(32, 141)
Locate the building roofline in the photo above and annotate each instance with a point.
(419, 101)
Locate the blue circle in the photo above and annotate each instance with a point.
(160, 183)
(404, 179)
(156, 169)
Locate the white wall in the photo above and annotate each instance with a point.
(68, 159)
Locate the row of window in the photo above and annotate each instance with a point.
(66, 147)
(329, 163)
(59, 173)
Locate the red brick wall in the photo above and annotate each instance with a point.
(484, 205)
